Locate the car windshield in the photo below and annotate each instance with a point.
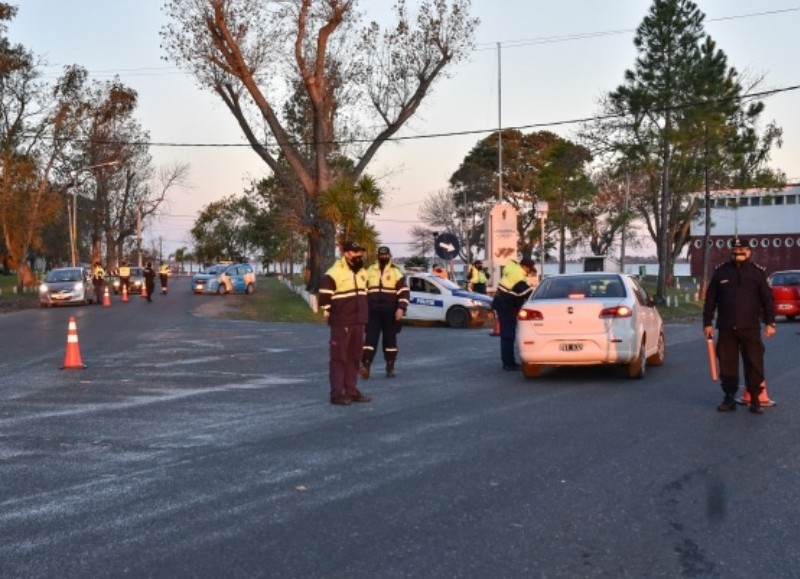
(786, 278)
(137, 272)
(576, 286)
(215, 269)
(58, 275)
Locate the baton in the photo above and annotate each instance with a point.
(712, 358)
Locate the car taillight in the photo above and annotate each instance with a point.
(616, 312)
(528, 315)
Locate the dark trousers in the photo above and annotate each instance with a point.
(98, 290)
(345, 351)
(381, 322)
(747, 342)
(507, 318)
(150, 286)
(164, 278)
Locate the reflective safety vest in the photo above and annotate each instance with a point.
(387, 287)
(124, 271)
(343, 294)
(512, 275)
(477, 276)
(163, 269)
(98, 272)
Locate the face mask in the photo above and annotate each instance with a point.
(479, 267)
(384, 260)
(356, 263)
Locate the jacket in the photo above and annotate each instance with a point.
(513, 289)
(343, 294)
(740, 295)
(386, 288)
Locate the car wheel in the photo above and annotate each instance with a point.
(636, 367)
(250, 288)
(790, 318)
(458, 317)
(531, 370)
(221, 289)
(658, 358)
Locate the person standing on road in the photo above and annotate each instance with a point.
(163, 277)
(387, 297)
(149, 280)
(98, 281)
(477, 278)
(343, 300)
(511, 294)
(124, 277)
(739, 294)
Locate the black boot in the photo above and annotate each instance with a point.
(728, 404)
(390, 368)
(364, 370)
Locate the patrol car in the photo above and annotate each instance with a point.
(435, 299)
(225, 278)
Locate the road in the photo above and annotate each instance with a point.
(199, 447)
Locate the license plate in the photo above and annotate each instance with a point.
(570, 347)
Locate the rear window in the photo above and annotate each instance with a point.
(552, 288)
(788, 278)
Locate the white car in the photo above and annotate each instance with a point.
(432, 298)
(590, 319)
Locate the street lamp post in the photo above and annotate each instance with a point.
(73, 219)
(541, 215)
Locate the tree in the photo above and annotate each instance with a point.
(222, 230)
(253, 53)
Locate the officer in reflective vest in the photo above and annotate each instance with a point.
(343, 300)
(124, 276)
(163, 276)
(387, 296)
(477, 278)
(511, 294)
(99, 281)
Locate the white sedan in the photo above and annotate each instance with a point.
(590, 319)
(432, 298)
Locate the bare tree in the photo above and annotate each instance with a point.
(257, 55)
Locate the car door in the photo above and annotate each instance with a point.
(425, 300)
(650, 319)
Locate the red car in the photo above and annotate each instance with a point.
(786, 293)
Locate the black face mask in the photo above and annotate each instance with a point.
(479, 267)
(384, 260)
(356, 263)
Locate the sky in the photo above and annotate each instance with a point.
(538, 64)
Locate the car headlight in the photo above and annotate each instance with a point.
(43, 289)
(79, 286)
(478, 304)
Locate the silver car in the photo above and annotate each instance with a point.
(66, 285)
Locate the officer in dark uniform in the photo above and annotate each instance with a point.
(343, 300)
(512, 291)
(387, 295)
(739, 293)
(149, 281)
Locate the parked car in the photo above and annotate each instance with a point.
(786, 293)
(66, 285)
(435, 299)
(225, 278)
(135, 281)
(590, 319)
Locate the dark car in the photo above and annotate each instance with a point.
(67, 285)
(786, 293)
(135, 282)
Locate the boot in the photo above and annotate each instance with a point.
(364, 370)
(390, 368)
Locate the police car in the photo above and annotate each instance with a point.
(225, 278)
(435, 299)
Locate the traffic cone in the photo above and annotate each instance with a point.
(496, 329)
(763, 398)
(144, 291)
(124, 293)
(106, 299)
(72, 357)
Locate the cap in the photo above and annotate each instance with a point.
(477, 262)
(740, 242)
(353, 246)
(383, 250)
(527, 262)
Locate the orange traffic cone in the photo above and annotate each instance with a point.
(763, 398)
(124, 293)
(72, 357)
(144, 291)
(496, 329)
(106, 299)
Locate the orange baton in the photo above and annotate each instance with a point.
(712, 359)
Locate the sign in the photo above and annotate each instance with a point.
(446, 246)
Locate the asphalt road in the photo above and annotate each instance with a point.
(200, 447)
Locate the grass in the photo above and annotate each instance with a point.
(681, 305)
(273, 302)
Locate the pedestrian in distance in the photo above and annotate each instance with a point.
(149, 281)
(98, 281)
(739, 295)
(163, 277)
(512, 291)
(343, 300)
(477, 278)
(441, 272)
(387, 299)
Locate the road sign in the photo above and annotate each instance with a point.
(446, 245)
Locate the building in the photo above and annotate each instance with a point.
(769, 219)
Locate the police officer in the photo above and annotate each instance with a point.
(99, 281)
(124, 276)
(163, 276)
(343, 300)
(512, 291)
(739, 294)
(149, 280)
(477, 278)
(387, 296)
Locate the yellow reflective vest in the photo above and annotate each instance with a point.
(343, 294)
